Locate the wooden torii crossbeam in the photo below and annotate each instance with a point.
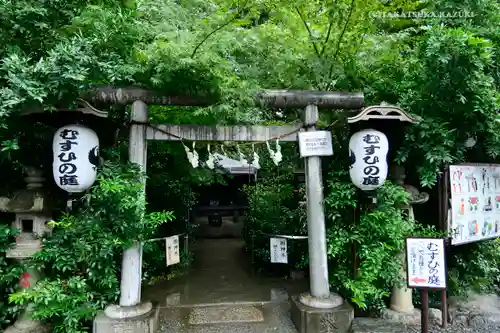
(270, 98)
(222, 133)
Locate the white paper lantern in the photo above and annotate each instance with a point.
(368, 153)
(76, 157)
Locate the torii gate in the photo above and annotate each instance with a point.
(319, 297)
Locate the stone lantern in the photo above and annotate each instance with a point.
(32, 214)
(401, 299)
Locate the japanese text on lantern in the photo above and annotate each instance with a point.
(371, 170)
(68, 168)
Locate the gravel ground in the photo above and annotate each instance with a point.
(369, 325)
(450, 329)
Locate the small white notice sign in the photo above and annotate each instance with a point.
(279, 251)
(172, 250)
(317, 143)
(425, 260)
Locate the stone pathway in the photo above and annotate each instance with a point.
(221, 295)
(222, 274)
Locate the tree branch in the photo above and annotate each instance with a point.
(327, 37)
(222, 26)
(328, 34)
(337, 49)
(228, 22)
(309, 31)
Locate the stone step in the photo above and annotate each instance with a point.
(227, 318)
(218, 298)
(225, 314)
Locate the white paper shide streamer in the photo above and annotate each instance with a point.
(76, 158)
(210, 160)
(243, 160)
(192, 156)
(276, 156)
(368, 154)
(256, 158)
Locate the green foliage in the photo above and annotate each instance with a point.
(274, 209)
(154, 262)
(475, 267)
(444, 70)
(276, 206)
(81, 258)
(219, 49)
(459, 61)
(378, 238)
(10, 272)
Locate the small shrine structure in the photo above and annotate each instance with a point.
(32, 214)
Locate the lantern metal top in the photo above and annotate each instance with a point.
(383, 112)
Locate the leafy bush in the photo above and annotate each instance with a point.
(10, 271)
(81, 259)
(475, 267)
(274, 209)
(154, 261)
(379, 238)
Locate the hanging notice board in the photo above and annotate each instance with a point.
(475, 202)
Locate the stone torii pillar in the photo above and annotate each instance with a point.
(132, 315)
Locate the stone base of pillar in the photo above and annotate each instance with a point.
(131, 319)
(315, 320)
(402, 300)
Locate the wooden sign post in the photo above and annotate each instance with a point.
(426, 269)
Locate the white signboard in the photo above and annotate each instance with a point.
(172, 250)
(317, 143)
(475, 203)
(279, 251)
(425, 260)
